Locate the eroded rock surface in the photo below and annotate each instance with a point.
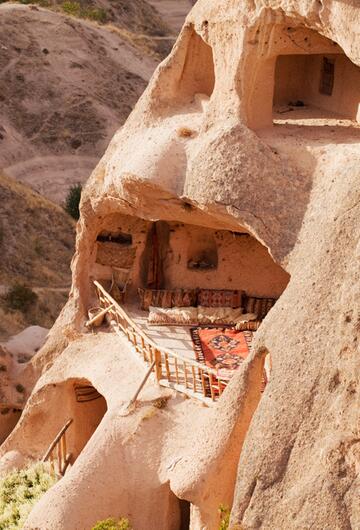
(219, 140)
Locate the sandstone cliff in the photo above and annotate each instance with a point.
(211, 144)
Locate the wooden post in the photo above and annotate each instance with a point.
(59, 459)
(151, 352)
(52, 468)
(63, 445)
(143, 351)
(158, 368)
(141, 386)
(176, 371)
(185, 375)
(203, 382)
(211, 387)
(168, 373)
(194, 377)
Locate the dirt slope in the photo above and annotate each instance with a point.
(36, 245)
(173, 12)
(65, 87)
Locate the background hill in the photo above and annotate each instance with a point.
(66, 85)
(36, 246)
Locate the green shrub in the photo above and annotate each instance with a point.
(112, 524)
(20, 297)
(19, 491)
(76, 10)
(224, 512)
(72, 201)
(71, 8)
(95, 13)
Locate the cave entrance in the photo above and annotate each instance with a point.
(198, 293)
(316, 89)
(303, 78)
(177, 255)
(82, 409)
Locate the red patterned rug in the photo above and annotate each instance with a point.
(223, 349)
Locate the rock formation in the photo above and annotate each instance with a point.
(249, 126)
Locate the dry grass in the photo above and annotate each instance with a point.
(149, 413)
(36, 248)
(37, 238)
(158, 49)
(161, 402)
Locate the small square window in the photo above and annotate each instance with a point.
(327, 76)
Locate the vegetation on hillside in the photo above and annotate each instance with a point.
(19, 491)
(136, 21)
(137, 15)
(72, 201)
(20, 297)
(38, 237)
(113, 524)
(224, 512)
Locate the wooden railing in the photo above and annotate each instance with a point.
(57, 452)
(170, 369)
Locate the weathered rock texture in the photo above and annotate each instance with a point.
(200, 148)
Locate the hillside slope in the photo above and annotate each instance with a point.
(173, 12)
(36, 245)
(65, 87)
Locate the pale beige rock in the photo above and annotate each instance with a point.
(200, 149)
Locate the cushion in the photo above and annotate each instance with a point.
(183, 316)
(260, 306)
(252, 325)
(219, 298)
(167, 298)
(222, 315)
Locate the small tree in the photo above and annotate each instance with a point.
(20, 297)
(72, 201)
(113, 524)
(224, 512)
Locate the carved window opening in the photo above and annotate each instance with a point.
(118, 237)
(316, 87)
(202, 252)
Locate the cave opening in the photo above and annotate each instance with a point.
(313, 87)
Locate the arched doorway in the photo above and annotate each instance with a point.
(82, 409)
